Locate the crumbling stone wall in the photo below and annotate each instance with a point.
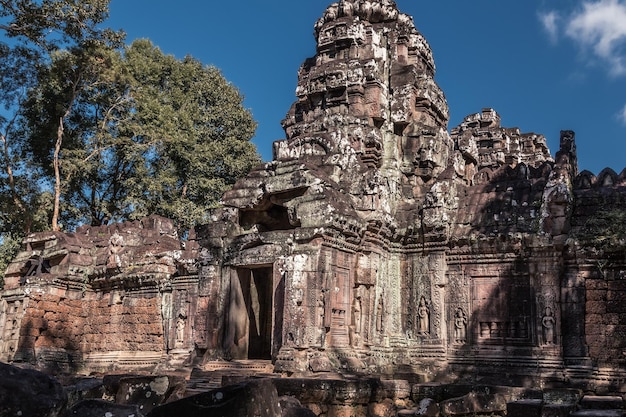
(101, 295)
(377, 241)
(599, 257)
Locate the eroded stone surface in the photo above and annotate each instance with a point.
(99, 408)
(254, 398)
(475, 403)
(26, 392)
(376, 242)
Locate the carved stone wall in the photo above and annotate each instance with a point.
(376, 241)
(101, 297)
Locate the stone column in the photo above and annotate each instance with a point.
(167, 314)
(438, 269)
(572, 326)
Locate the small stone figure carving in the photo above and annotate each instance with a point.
(321, 313)
(548, 323)
(460, 326)
(355, 337)
(423, 316)
(180, 328)
(321, 307)
(380, 312)
(356, 313)
(116, 242)
(3, 315)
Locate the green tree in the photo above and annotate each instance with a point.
(8, 249)
(101, 132)
(72, 118)
(144, 133)
(193, 130)
(33, 30)
(43, 37)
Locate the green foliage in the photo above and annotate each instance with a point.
(54, 24)
(146, 133)
(93, 132)
(87, 88)
(194, 132)
(606, 231)
(50, 39)
(9, 247)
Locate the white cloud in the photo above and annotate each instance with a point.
(600, 27)
(622, 115)
(549, 21)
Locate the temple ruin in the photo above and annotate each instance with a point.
(377, 241)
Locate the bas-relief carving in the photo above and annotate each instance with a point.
(181, 322)
(116, 245)
(423, 318)
(167, 314)
(547, 304)
(3, 312)
(357, 312)
(323, 321)
(438, 324)
(424, 151)
(380, 313)
(460, 326)
(418, 284)
(393, 296)
(3, 327)
(10, 332)
(391, 232)
(438, 271)
(548, 323)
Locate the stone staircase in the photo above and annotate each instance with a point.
(600, 406)
(217, 374)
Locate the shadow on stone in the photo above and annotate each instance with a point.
(99, 408)
(254, 398)
(25, 392)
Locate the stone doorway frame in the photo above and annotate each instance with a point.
(251, 312)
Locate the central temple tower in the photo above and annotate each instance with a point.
(366, 142)
(367, 103)
(347, 247)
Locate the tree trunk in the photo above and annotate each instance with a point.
(14, 195)
(57, 177)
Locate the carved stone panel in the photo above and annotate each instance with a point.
(340, 296)
(502, 311)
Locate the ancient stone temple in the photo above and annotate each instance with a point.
(376, 241)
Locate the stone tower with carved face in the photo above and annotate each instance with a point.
(368, 106)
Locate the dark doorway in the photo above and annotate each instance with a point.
(256, 287)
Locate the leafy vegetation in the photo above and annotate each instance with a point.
(606, 231)
(192, 131)
(9, 247)
(92, 130)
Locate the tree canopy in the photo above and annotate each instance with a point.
(193, 131)
(92, 130)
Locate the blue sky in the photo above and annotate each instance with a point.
(544, 65)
